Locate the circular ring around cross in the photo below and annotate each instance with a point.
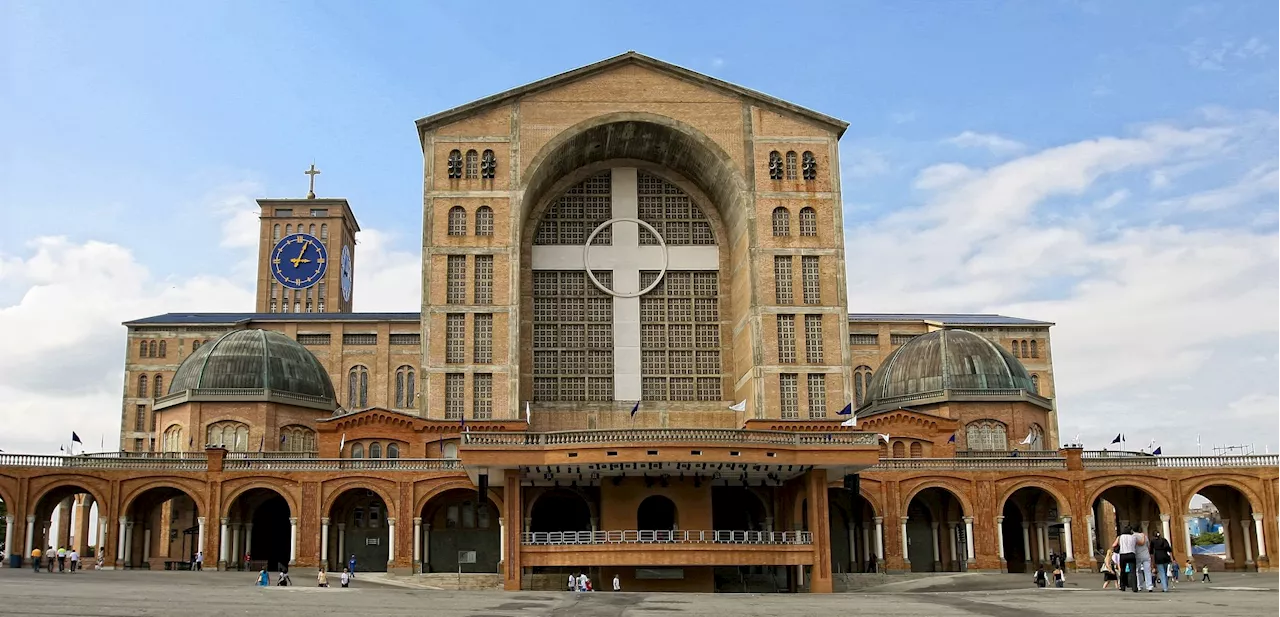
(586, 258)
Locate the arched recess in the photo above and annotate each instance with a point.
(657, 513)
(1227, 503)
(560, 510)
(163, 524)
(53, 508)
(1120, 503)
(1032, 528)
(258, 530)
(736, 508)
(852, 531)
(936, 540)
(358, 526)
(384, 489)
(455, 520)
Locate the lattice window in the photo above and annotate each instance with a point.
(917, 450)
(986, 435)
(484, 221)
(164, 349)
(488, 165)
(233, 436)
(357, 338)
(1035, 383)
(808, 221)
(813, 339)
(572, 337)
(1037, 437)
(457, 221)
(482, 396)
(320, 296)
(405, 338)
(455, 164)
(786, 339)
(157, 388)
(455, 334)
(899, 450)
(775, 165)
(405, 386)
(275, 232)
(1035, 351)
(668, 208)
(456, 277)
(313, 339)
(789, 395)
(482, 332)
(1025, 353)
(142, 349)
(454, 395)
(143, 391)
(358, 387)
(817, 395)
(139, 418)
(484, 279)
(791, 165)
(782, 280)
(153, 350)
(680, 337)
(324, 232)
(473, 164)
(809, 166)
(810, 281)
(297, 439)
(861, 384)
(781, 222)
(173, 439)
(577, 213)
(857, 338)
(901, 339)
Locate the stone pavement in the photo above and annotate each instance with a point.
(128, 593)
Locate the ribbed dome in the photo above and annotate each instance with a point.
(257, 362)
(943, 361)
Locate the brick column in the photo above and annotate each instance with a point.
(513, 503)
(819, 527)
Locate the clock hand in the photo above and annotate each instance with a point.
(297, 260)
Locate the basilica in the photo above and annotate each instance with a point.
(634, 356)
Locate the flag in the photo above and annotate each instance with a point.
(342, 443)
(1155, 452)
(527, 413)
(739, 406)
(952, 438)
(282, 438)
(847, 411)
(1118, 438)
(61, 449)
(885, 437)
(191, 441)
(850, 422)
(261, 441)
(76, 438)
(635, 409)
(1029, 438)
(462, 423)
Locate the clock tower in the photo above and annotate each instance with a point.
(306, 254)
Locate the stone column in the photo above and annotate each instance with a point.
(236, 555)
(199, 537)
(1093, 538)
(1042, 537)
(1248, 548)
(1026, 542)
(866, 544)
(951, 531)
(128, 543)
(1000, 537)
(1066, 537)
(903, 526)
(102, 536)
(853, 545)
(879, 538)
(1164, 526)
(1262, 542)
(502, 540)
(820, 526)
(391, 540)
(937, 546)
(248, 538)
(146, 545)
(31, 535)
(64, 522)
(324, 542)
(417, 543)
(120, 540)
(8, 536)
(1186, 534)
(80, 517)
(426, 547)
(222, 545)
(293, 539)
(342, 544)
(968, 537)
(1226, 541)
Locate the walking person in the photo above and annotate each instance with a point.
(617, 585)
(1162, 555)
(199, 562)
(1040, 576)
(62, 559)
(1109, 570)
(322, 578)
(74, 557)
(263, 579)
(351, 565)
(1124, 546)
(284, 576)
(51, 556)
(35, 559)
(1190, 572)
(1142, 554)
(1204, 574)
(1059, 578)
(345, 579)
(573, 582)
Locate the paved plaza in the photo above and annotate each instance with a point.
(109, 594)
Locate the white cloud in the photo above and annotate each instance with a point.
(941, 176)
(986, 141)
(1202, 54)
(1260, 181)
(861, 163)
(1110, 201)
(386, 280)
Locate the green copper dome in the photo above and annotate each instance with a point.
(252, 365)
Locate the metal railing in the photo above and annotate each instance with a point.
(1007, 453)
(1180, 462)
(660, 536)
(171, 463)
(969, 463)
(656, 435)
(342, 464)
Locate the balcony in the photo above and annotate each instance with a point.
(668, 435)
(661, 536)
(242, 461)
(1127, 460)
(969, 463)
(666, 548)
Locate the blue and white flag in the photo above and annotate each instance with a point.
(847, 411)
(635, 409)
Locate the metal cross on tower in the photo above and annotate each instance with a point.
(313, 172)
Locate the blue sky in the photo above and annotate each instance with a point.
(1100, 157)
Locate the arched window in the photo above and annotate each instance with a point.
(288, 230)
(393, 451)
(357, 450)
(375, 450)
(404, 387)
(142, 386)
(358, 387)
(899, 451)
(164, 349)
(808, 221)
(1014, 347)
(986, 435)
(311, 229)
(455, 164)
(172, 441)
(809, 166)
(1025, 353)
(488, 165)
(157, 387)
(154, 349)
(1035, 383)
(775, 165)
(473, 168)
(917, 450)
(194, 346)
(324, 232)
(233, 436)
(484, 221)
(297, 439)
(884, 449)
(275, 232)
(142, 349)
(781, 222)
(861, 384)
(457, 221)
(791, 165)
(451, 450)
(1037, 438)
(1035, 353)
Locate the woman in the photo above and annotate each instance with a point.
(322, 577)
(1109, 570)
(263, 579)
(1059, 577)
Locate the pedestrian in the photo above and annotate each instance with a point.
(35, 559)
(617, 585)
(345, 578)
(74, 557)
(1174, 572)
(582, 582)
(1059, 578)
(1190, 572)
(199, 561)
(322, 578)
(1204, 574)
(1162, 555)
(246, 561)
(1040, 577)
(1142, 555)
(351, 565)
(263, 579)
(62, 559)
(1109, 570)
(284, 576)
(51, 556)
(573, 582)
(1125, 545)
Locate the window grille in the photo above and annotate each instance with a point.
(142, 349)
(668, 208)
(406, 338)
(775, 165)
(358, 387)
(781, 222)
(577, 213)
(808, 221)
(789, 396)
(863, 339)
(142, 386)
(809, 166)
(457, 221)
(986, 435)
(861, 384)
(899, 450)
(157, 388)
(786, 339)
(484, 221)
(813, 339)
(313, 339)
(140, 418)
(810, 280)
(482, 396)
(455, 164)
(817, 395)
(454, 338)
(484, 279)
(473, 164)
(324, 232)
(791, 165)
(782, 280)
(917, 450)
(153, 349)
(1035, 384)
(901, 339)
(231, 435)
(1025, 353)
(1035, 351)
(680, 337)
(456, 280)
(360, 339)
(454, 393)
(572, 337)
(164, 349)
(275, 232)
(488, 165)
(405, 386)
(482, 346)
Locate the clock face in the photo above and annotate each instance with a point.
(299, 261)
(346, 274)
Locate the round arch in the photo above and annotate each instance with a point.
(454, 520)
(439, 489)
(1018, 485)
(191, 492)
(1225, 480)
(336, 489)
(58, 484)
(876, 508)
(561, 509)
(657, 512)
(1156, 494)
(229, 500)
(957, 493)
(529, 505)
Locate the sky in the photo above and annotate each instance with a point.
(1107, 166)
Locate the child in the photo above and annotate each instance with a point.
(1059, 579)
(1109, 570)
(346, 577)
(1204, 574)
(322, 577)
(1039, 579)
(1190, 572)
(262, 578)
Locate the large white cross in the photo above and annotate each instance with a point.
(626, 258)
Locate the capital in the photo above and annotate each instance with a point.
(31, 518)
(1066, 519)
(878, 519)
(200, 521)
(123, 519)
(224, 520)
(8, 518)
(1164, 517)
(391, 521)
(905, 519)
(293, 520)
(417, 520)
(1000, 519)
(324, 520)
(968, 520)
(1257, 517)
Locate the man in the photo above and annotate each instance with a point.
(573, 582)
(617, 585)
(199, 561)
(74, 557)
(1142, 554)
(1162, 554)
(351, 565)
(35, 559)
(582, 582)
(62, 559)
(1124, 547)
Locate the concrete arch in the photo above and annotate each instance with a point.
(1157, 495)
(958, 493)
(6, 495)
(230, 498)
(1064, 505)
(452, 485)
(877, 509)
(337, 488)
(1224, 480)
(59, 482)
(190, 488)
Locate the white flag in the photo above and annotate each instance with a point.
(885, 437)
(342, 444)
(527, 413)
(850, 422)
(1030, 438)
(741, 406)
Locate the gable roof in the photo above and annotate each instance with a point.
(635, 58)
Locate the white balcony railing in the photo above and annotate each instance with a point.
(1180, 462)
(969, 463)
(342, 464)
(660, 435)
(659, 536)
(170, 463)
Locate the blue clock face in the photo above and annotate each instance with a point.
(299, 261)
(345, 273)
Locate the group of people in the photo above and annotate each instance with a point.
(62, 559)
(283, 580)
(581, 582)
(1136, 561)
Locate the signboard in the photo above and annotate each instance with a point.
(466, 557)
(371, 541)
